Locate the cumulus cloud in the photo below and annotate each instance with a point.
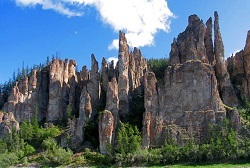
(115, 59)
(139, 19)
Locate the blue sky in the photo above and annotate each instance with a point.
(31, 30)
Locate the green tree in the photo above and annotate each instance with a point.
(129, 139)
(158, 66)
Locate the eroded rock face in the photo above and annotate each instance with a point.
(93, 86)
(191, 44)
(209, 42)
(137, 70)
(45, 94)
(132, 67)
(106, 127)
(25, 99)
(62, 87)
(196, 43)
(187, 100)
(105, 74)
(112, 104)
(239, 68)
(226, 90)
(7, 124)
(123, 79)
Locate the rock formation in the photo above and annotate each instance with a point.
(7, 124)
(123, 79)
(29, 97)
(187, 99)
(112, 104)
(209, 42)
(93, 85)
(192, 94)
(191, 43)
(226, 90)
(239, 69)
(106, 128)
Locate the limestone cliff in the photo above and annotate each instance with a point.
(191, 95)
(239, 67)
(194, 90)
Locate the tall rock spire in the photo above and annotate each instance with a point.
(226, 89)
(123, 79)
(209, 41)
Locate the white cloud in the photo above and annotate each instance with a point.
(115, 59)
(60, 6)
(114, 44)
(139, 19)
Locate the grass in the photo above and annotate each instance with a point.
(231, 164)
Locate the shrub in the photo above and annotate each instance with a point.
(9, 159)
(129, 139)
(3, 147)
(170, 153)
(55, 154)
(28, 149)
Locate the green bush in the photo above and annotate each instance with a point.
(3, 147)
(55, 154)
(28, 149)
(129, 139)
(9, 159)
(170, 153)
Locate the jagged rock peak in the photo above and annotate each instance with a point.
(193, 20)
(105, 75)
(209, 41)
(132, 67)
(247, 46)
(94, 64)
(239, 69)
(225, 87)
(190, 44)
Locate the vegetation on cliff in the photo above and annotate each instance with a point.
(34, 144)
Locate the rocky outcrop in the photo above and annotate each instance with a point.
(123, 79)
(93, 86)
(62, 87)
(112, 104)
(132, 67)
(106, 128)
(7, 124)
(239, 68)
(226, 90)
(191, 95)
(191, 44)
(196, 43)
(209, 42)
(187, 100)
(26, 99)
(105, 74)
(45, 93)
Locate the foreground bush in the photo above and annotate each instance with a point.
(55, 154)
(9, 159)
